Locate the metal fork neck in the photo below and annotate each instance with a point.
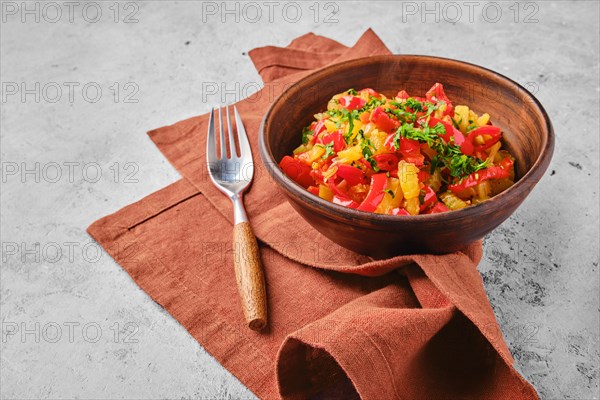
(239, 214)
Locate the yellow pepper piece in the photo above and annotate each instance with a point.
(333, 104)
(349, 155)
(330, 172)
(325, 193)
(483, 190)
(313, 154)
(452, 201)
(330, 125)
(377, 139)
(392, 198)
(302, 148)
(364, 95)
(461, 117)
(439, 113)
(435, 180)
(368, 128)
(413, 205)
(409, 180)
(483, 119)
(472, 118)
(493, 151)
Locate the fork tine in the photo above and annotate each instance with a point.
(211, 148)
(232, 151)
(222, 136)
(245, 150)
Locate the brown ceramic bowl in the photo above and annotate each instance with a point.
(527, 131)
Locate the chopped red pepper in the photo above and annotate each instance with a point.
(429, 198)
(399, 211)
(409, 146)
(449, 128)
(317, 127)
(402, 96)
(314, 190)
(465, 145)
(389, 142)
(437, 94)
(336, 189)
(368, 168)
(386, 161)
(298, 171)
(344, 201)
(423, 175)
(415, 158)
(350, 174)
(506, 163)
(493, 132)
(492, 172)
(376, 193)
(383, 121)
(352, 102)
(438, 208)
(317, 174)
(337, 138)
(406, 146)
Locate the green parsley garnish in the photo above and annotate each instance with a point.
(328, 151)
(422, 196)
(334, 113)
(349, 116)
(414, 104)
(367, 150)
(372, 103)
(402, 115)
(306, 131)
(448, 154)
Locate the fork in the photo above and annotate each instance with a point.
(232, 175)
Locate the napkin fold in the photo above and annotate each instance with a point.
(341, 325)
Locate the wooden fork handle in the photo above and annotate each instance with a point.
(250, 276)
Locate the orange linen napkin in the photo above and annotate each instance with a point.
(410, 327)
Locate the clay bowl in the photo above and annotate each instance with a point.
(527, 130)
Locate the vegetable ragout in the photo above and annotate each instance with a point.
(400, 156)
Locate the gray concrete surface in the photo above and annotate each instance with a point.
(74, 325)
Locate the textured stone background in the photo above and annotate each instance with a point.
(540, 267)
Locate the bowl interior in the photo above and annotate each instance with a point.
(510, 106)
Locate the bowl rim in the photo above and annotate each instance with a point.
(340, 212)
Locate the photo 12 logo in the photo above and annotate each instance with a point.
(69, 172)
(51, 252)
(70, 332)
(270, 11)
(69, 92)
(469, 11)
(69, 11)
